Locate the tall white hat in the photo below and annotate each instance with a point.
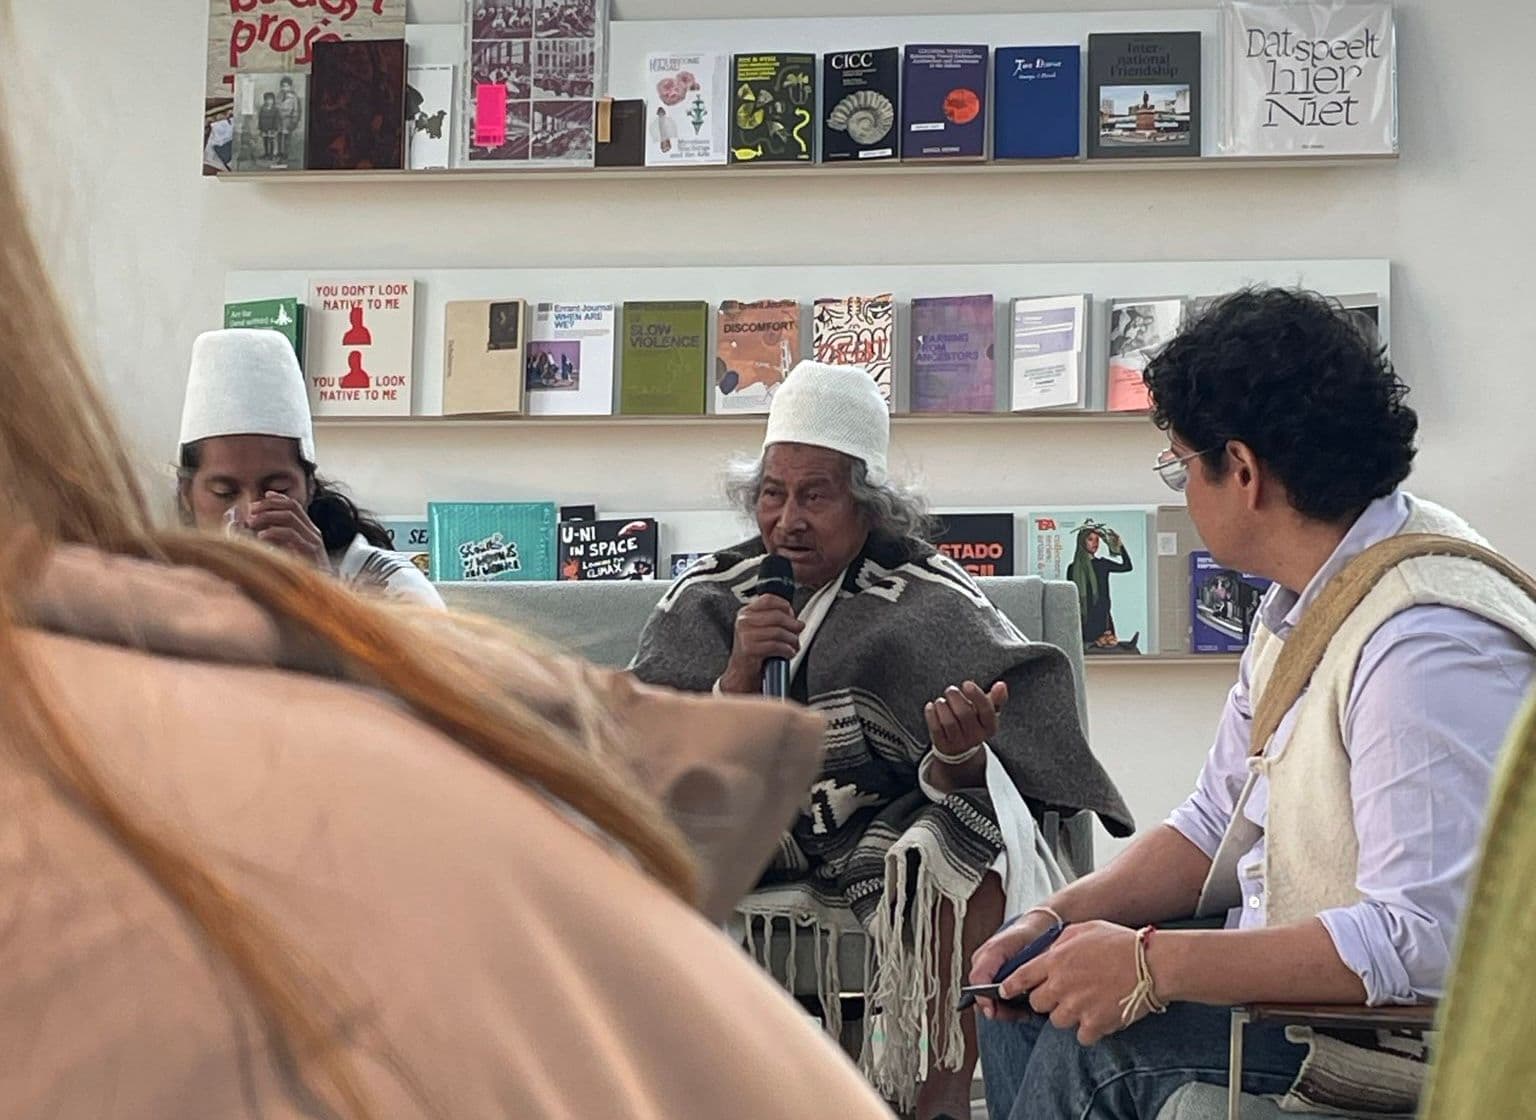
(246, 382)
(836, 407)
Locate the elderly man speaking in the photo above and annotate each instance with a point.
(945, 726)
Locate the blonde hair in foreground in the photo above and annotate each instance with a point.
(67, 479)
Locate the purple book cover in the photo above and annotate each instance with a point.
(1223, 605)
(952, 354)
(944, 102)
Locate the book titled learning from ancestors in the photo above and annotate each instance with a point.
(360, 347)
(569, 361)
(492, 541)
(1037, 103)
(1049, 353)
(953, 341)
(245, 37)
(357, 106)
(756, 345)
(773, 108)
(483, 342)
(608, 550)
(944, 102)
(1223, 605)
(1144, 95)
(857, 331)
(1103, 552)
(688, 105)
(285, 316)
(1308, 78)
(861, 103)
(981, 543)
(1138, 329)
(665, 358)
(411, 537)
(270, 121)
(534, 69)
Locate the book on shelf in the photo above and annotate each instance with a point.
(570, 360)
(953, 341)
(360, 346)
(357, 105)
(411, 537)
(1176, 540)
(1138, 329)
(285, 316)
(1308, 78)
(620, 133)
(1223, 605)
(1103, 551)
(773, 108)
(1365, 309)
(756, 345)
(689, 108)
(429, 101)
(857, 331)
(240, 41)
(665, 358)
(944, 102)
(1049, 353)
(270, 112)
(486, 541)
(981, 543)
(1037, 103)
(483, 341)
(1144, 95)
(608, 550)
(861, 101)
(680, 562)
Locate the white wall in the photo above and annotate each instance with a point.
(107, 98)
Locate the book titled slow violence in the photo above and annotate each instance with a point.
(756, 345)
(492, 541)
(1145, 91)
(944, 102)
(357, 105)
(1037, 103)
(608, 550)
(952, 354)
(285, 316)
(981, 543)
(860, 97)
(773, 108)
(360, 346)
(665, 360)
(483, 344)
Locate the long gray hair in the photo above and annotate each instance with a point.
(894, 512)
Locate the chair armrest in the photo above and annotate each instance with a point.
(1411, 1017)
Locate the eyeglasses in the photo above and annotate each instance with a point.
(1173, 468)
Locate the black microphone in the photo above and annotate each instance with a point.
(776, 576)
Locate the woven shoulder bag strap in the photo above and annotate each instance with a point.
(1304, 649)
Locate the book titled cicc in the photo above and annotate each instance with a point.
(861, 100)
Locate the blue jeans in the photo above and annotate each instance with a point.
(1035, 1071)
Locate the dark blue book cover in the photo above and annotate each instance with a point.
(1037, 103)
(944, 102)
(1224, 605)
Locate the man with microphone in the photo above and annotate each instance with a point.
(919, 813)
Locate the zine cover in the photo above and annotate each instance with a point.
(861, 99)
(665, 358)
(357, 106)
(1037, 103)
(773, 108)
(286, 316)
(981, 543)
(944, 102)
(688, 99)
(1104, 553)
(569, 362)
(534, 69)
(359, 351)
(1308, 78)
(1223, 605)
(608, 550)
(486, 541)
(483, 357)
(429, 117)
(270, 110)
(953, 338)
(756, 345)
(411, 537)
(1048, 352)
(857, 331)
(1144, 95)
(1138, 329)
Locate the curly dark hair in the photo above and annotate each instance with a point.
(1300, 381)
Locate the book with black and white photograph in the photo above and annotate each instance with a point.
(270, 112)
(1138, 329)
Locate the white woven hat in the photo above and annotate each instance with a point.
(246, 383)
(836, 407)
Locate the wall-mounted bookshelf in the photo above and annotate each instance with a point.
(714, 422)
(1225, 661)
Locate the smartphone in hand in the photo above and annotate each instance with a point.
(1039, 945)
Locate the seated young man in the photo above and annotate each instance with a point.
(1344, 842)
